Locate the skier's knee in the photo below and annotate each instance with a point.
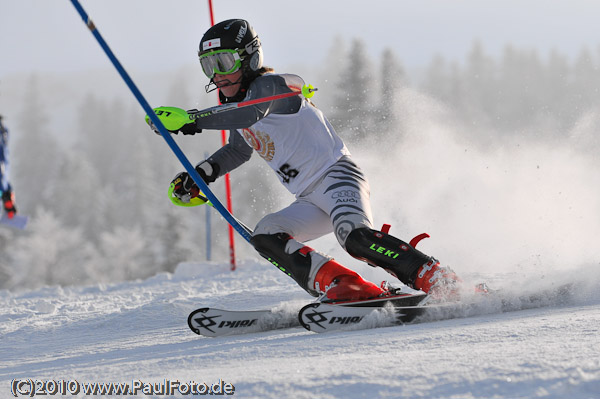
(271, 224)
(293, 258)
(270, 244)
(348, 224)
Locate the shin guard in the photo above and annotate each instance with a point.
(383, 250)
(314, 272)
(291, 257)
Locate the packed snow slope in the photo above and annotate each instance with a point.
(137, 331)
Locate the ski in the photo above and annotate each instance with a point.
(17, 221)
(378, 312)
(398, 298)
(408, 307)
(212, 322)
(323, 317)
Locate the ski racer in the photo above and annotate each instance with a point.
(8, 197)
(312, 162)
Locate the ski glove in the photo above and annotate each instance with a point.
(184, 186)
(8, 203)
(175, 120)
(189, 129)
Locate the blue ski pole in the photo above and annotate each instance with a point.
(239, 227)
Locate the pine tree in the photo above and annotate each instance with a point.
(480, 86)
(352, 116)
(556, 87)
(437, 79)
(78, 203)
(328, 82)
(35, 153)
(392, 78)
(585, 83)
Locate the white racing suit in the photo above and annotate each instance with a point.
(313, 163)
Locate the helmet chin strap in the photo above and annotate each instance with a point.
(212, 86)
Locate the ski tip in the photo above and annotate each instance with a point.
(191, 322)
(302, 313)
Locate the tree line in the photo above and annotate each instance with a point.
(508, 94)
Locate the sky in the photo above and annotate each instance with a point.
(147, 35)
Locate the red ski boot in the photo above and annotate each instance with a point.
(341, 283)
(441, 283)
(8, 201)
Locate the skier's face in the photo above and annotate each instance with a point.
(223, 82)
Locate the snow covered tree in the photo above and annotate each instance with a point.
(392, 77)
(79, 196)
(53, 254)
(479, 80)
(125, 255)
(585, 83)
(35, 154)
(328, 82)
(353, 111)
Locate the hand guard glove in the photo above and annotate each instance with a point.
(8, 203)
(189, 129)
(175, 120)
(184, 187)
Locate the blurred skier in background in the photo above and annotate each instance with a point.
(312, 162)
(8, 197)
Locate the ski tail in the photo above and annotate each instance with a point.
(322, 317)
(17, 221)
(211, 322)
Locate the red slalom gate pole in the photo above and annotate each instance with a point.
(227, 179)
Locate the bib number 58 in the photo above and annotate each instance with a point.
(287, 173)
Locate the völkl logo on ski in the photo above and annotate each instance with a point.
(315, 317)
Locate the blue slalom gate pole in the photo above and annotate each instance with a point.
(208, 229)
(239, 227)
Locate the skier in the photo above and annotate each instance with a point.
(312, 162)
(8, 197)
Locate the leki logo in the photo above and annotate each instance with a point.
(384, 251)
(261, 142)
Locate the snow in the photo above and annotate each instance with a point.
(137, 330)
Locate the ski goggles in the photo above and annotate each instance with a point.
(221, 62)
